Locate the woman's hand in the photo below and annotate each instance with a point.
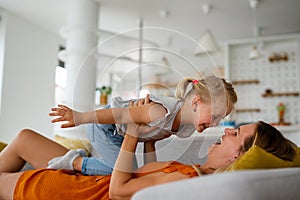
(65, 114)
(138, 129)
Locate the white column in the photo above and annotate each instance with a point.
(81, 44)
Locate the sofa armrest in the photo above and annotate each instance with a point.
(251, 184)
(189, 150)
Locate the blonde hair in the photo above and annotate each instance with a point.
(210, 89)
(269, 139)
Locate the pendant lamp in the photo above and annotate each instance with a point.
(255, 52)
(207, 43)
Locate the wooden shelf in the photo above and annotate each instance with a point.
(242, 82)
(280, 124)
(280, 94)
(248, 110)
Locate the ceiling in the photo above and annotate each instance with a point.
(228, 19)
(176, 22)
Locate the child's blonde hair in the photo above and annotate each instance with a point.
(210, 89)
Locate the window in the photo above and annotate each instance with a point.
(60, 79)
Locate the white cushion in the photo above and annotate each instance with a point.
(276, 184)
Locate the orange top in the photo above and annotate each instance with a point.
(172, 167)
(66, 184)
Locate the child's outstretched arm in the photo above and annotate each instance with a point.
(65, 113)
(139, 114)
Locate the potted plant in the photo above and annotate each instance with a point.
(104, 92)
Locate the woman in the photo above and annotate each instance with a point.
(198, 105)
(123, 183)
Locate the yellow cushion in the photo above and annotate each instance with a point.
(2, 145)
(71, 143)
(257, 158)
(296, 160)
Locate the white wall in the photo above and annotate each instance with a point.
(2, 44)
(28, 77)
(279, 76)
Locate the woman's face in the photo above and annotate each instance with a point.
(231, 145)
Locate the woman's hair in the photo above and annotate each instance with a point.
(269, 139)
(210, 89)
(272, 141)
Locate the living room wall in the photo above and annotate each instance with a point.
(28, 74)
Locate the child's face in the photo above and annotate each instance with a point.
(206, 115)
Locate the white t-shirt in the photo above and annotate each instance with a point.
(164, 125)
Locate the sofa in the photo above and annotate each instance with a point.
(189, 150)
(275, 184)
(269, 178)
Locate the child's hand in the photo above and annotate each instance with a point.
(65, 114)
(142, 101)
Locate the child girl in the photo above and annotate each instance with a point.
(198, 104)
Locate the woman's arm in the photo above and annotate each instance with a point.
(138, 114)
(123, 185)
(149, 153)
